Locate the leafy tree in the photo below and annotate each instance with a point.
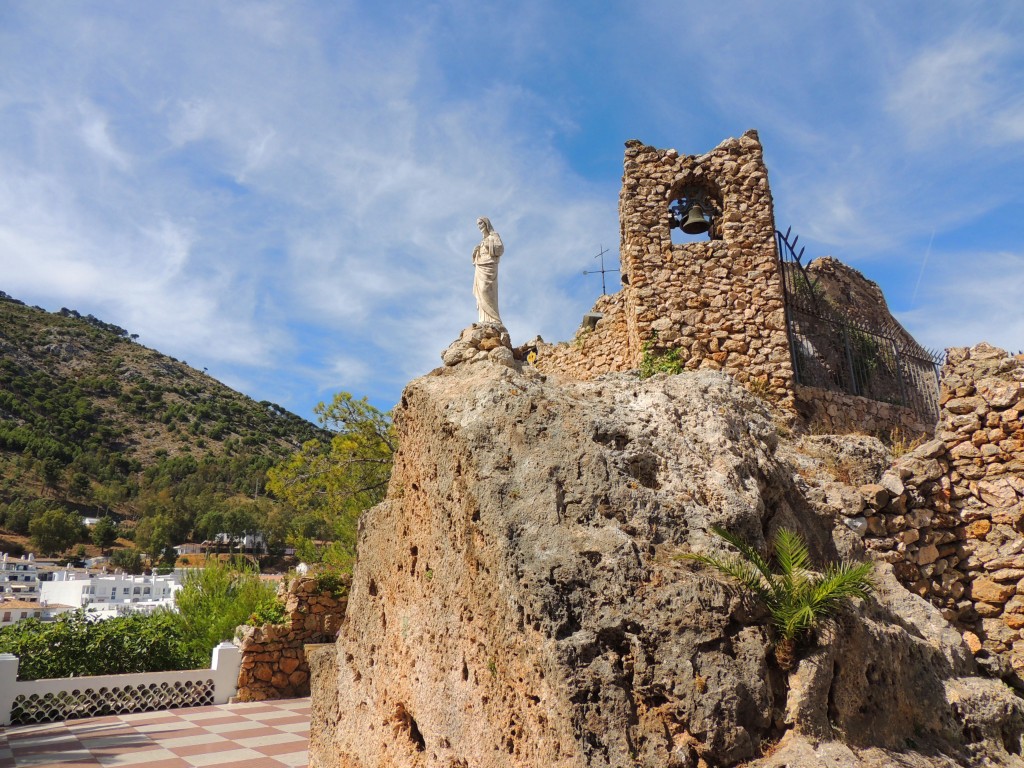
(18, 517)
(796, 597)
(55, 531)
(214, 600)
(339, 481)
(154, 534)
(80, 484)
(128, 560)
(241, 518)
(104, 534)
(51, 471)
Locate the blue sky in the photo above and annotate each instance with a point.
(285, 193)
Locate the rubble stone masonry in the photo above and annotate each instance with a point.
(274, 662)
(841, 413)
(718, 301)
(949, 515)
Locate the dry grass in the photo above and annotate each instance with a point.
(901, 443)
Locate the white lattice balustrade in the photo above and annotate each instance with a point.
(42, 701)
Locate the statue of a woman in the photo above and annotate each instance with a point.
(485, 278)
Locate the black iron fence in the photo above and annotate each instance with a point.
(832, 350)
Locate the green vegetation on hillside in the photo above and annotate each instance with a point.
(94, 424)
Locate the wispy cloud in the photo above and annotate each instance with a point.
(957, 90)
(971, 297)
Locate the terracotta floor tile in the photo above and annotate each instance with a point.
(251, 735)
(265, 762)
(187, 750)
(274, 737)
(295, 759)
(144, 757)
(45, 745)
(194, 739)
(282, 748)
(228, 757)
(57, 757)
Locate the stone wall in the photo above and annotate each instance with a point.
(718, 301)
(593, 351)
(274, 662)
(949, 515)
(840, 413)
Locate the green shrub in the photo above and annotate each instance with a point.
(270, 610)
(128, 560)
(78, 644)
(334, 582)
(215, 600)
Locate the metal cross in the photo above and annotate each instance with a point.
(602, 270)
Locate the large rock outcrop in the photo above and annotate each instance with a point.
(517, 602)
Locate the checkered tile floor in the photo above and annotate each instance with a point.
(268, 734)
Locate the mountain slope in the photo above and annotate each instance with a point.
(92, 420)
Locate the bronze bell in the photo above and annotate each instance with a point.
(695, 223)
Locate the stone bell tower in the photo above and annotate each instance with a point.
(713, 297)
(716, 297)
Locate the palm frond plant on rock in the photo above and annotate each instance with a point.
(797, 598)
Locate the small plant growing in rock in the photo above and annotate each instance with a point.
(269, 610)
(759, 388)
(332, 581)
(900, 442)
(797, 598)
(660, 361)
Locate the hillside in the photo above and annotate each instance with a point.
(93, 421)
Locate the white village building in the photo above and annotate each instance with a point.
(110, 594)
(19, 578)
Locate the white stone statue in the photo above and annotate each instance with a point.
(485, 278)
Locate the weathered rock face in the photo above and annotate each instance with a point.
(516, 601)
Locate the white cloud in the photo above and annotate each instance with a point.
(966, 298)
(956, 90)
(189, 121)
(95, 132)
(286, 193)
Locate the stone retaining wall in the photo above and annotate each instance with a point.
(949, 515)
(592, 352)
(840, 413)
(274, 662)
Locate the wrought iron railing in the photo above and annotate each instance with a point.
(832, 350)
